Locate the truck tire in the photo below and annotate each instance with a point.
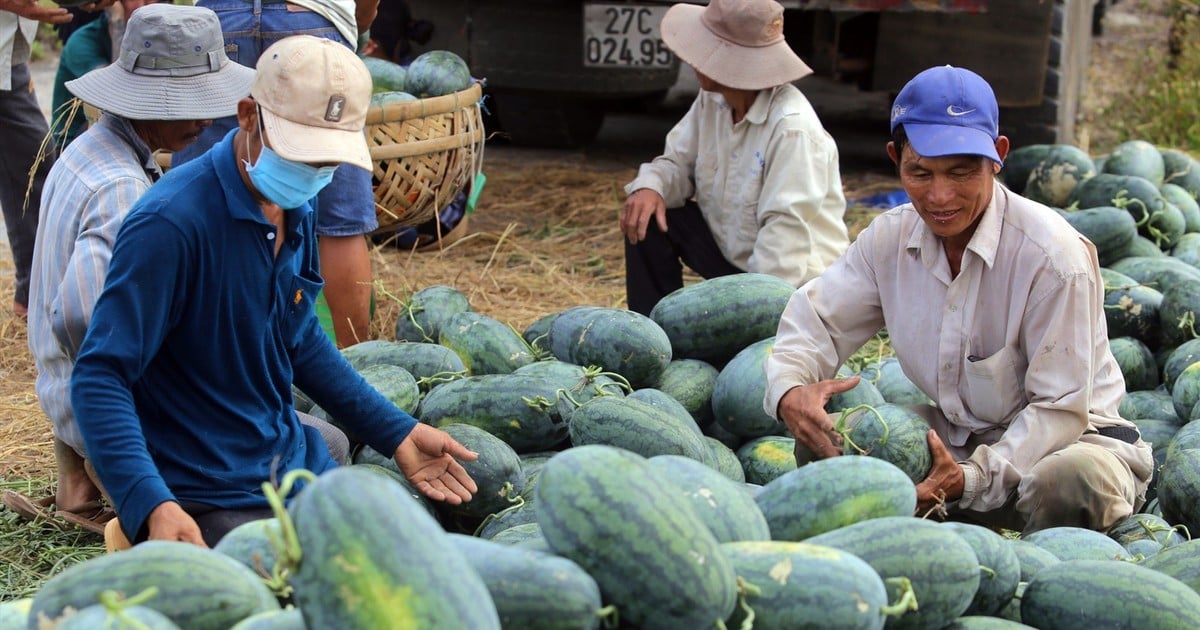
(1053, 121)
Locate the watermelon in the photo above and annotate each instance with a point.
(287, 619)
(425, 361)
(1179, 197)
(714, 319)
(617, 340)
(1138, 158)
(116, 615)
(14, 613)
(893, 384)
(533, 590)
(1139, 526)
(1091, 594)
(1181, 169)
(386, 76)
(799, 585)
(1000, 569)
(497, 472)
(423, 313)
(637, 426)
(1156, 219)
(372, 460)
(197, 587)
(485, 344)
(526, 411)
(691, 382)
(605, 509)
(864, 393)
(380, 99)
(767, 457)
(437, 73)
(1077, 543)
(373, 558)
(737, 397)
(719, 502)
(1136, 363)
(1177, 361)
(1020, 162)
(251, 544)
(578, 384)
(1181, 561)
(889, 432)
(1109, 228)
(1132, 310)
(725, 460)
(665, 402)
(826, 494)
(941, 567)
(1031, 557)
(1178, 314)
(1179, 488)
(1059, 172)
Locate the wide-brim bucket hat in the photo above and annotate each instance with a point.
(172, 66)
(737, 43)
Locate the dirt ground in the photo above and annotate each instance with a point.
(544, 237)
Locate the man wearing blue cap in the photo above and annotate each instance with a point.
(994, 307)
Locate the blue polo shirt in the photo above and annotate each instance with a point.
(182, 388)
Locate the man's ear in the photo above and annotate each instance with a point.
(247, 114)
(891, 151)
(1002, 146)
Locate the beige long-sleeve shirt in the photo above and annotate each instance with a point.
(16, 37)
(768, 186)
(1014, 350)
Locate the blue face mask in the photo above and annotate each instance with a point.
(284, 182)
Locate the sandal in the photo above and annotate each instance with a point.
(91, 517)
(27, 508)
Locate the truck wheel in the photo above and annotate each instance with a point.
(547, 120)
(1053, 121)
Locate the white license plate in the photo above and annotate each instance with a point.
(624, 36)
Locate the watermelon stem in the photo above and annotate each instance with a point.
(609, 616)
(1187, 323)
(286, 542)
(517, 504)
(991, 573)
(744, 589)
(592, 372)
(115, 605)
(428, 382)
(907, 600)
(843, 428)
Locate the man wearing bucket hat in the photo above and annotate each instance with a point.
(994, 307)
(170, 80)
(184, 399)
(346, 207)
(748, 180)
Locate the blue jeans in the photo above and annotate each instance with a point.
(345, 207)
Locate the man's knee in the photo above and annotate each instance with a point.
(1083, 485)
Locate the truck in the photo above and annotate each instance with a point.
(555, 68)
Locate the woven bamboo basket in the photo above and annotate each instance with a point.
(425, 152)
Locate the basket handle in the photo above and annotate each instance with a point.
(405, 110)
(429, 145)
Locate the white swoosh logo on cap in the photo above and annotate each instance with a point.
(953, 111)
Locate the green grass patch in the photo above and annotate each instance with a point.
(33, 552)
(1165, 109)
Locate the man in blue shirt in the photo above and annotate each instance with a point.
(182, 389)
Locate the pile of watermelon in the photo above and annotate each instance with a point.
(432, 73)
(628, 477)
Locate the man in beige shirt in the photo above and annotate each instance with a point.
(994, 307)
(748, 179)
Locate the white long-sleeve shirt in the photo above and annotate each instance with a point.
(768, 186)
(16, 36)
(1014, 350)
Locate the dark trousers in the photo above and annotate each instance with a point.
(654, 267)
(215, 522)
(24, 128)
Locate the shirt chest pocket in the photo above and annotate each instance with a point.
(300, 305)
(993, 391)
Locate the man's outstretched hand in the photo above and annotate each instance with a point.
(428, 457)
(945, 480)
(32, 10)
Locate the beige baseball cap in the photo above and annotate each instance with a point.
(314, 94)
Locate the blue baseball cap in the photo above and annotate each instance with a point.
(949, 111)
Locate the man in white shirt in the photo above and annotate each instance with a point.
(994, 307)
(748, 180)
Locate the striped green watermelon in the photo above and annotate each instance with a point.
(1136, 157)
(423, 312)
(485, 344)
(889, 432)
(999, 568)
(604, 508)
(721, 503)
(1091, 594)
(1077, 543)
(739, 390)
(437, 73)
(767, 457)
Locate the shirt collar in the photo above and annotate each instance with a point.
(761, 108)
(123, 128)
(984, 242)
